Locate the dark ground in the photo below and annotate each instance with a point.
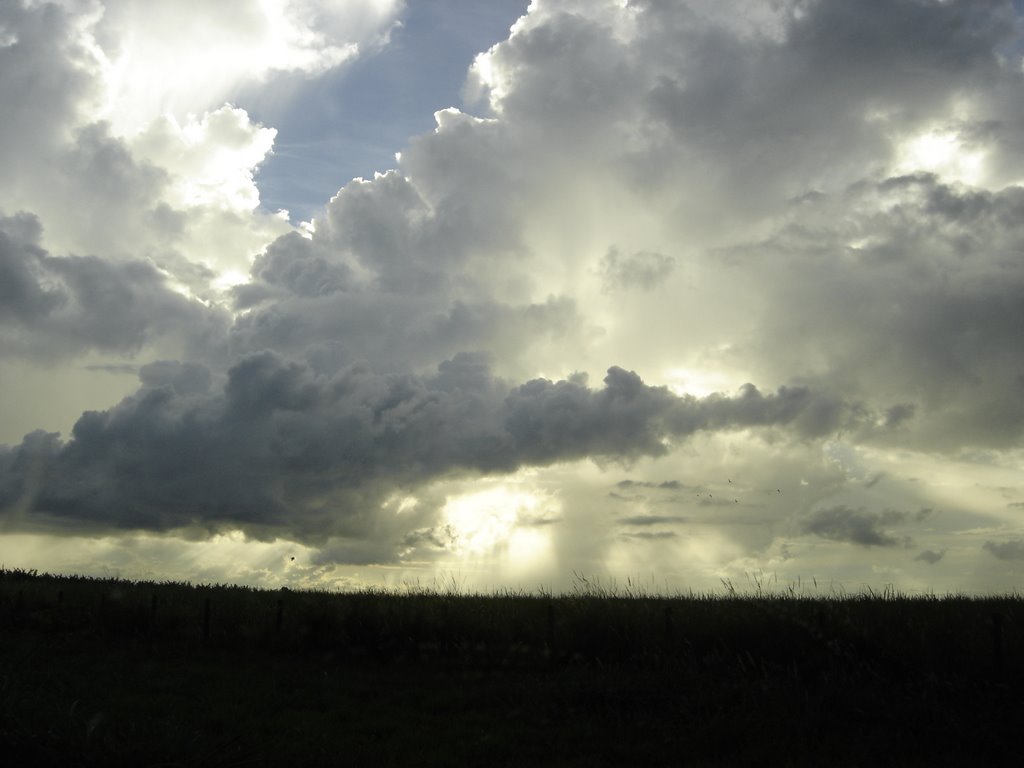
(65, 702)
(109, 673)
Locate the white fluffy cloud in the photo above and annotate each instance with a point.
(125, 101)
(185, 56)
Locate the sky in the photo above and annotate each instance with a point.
(669, 295)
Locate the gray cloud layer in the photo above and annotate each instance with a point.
(279, 449)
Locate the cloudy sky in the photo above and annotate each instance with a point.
(346, 292)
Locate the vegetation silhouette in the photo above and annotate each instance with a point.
(112, 671)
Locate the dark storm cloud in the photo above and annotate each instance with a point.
(628, 419)
(811, 414)
(1012, 549)
(857, 526)
(59, 305)
(282, 450)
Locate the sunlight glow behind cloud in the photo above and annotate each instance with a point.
(483, 520)
(181, 58)
(943, 153)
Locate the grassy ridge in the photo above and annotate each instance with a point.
(116, 672)
(924, 635)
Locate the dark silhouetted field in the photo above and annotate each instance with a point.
(111, 672)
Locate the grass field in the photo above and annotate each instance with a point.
(111, 672)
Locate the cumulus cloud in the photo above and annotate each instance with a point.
(116, 111)
(148, 73)
(279, 449)
(53, 306)
(210, 160)
(178, 190)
